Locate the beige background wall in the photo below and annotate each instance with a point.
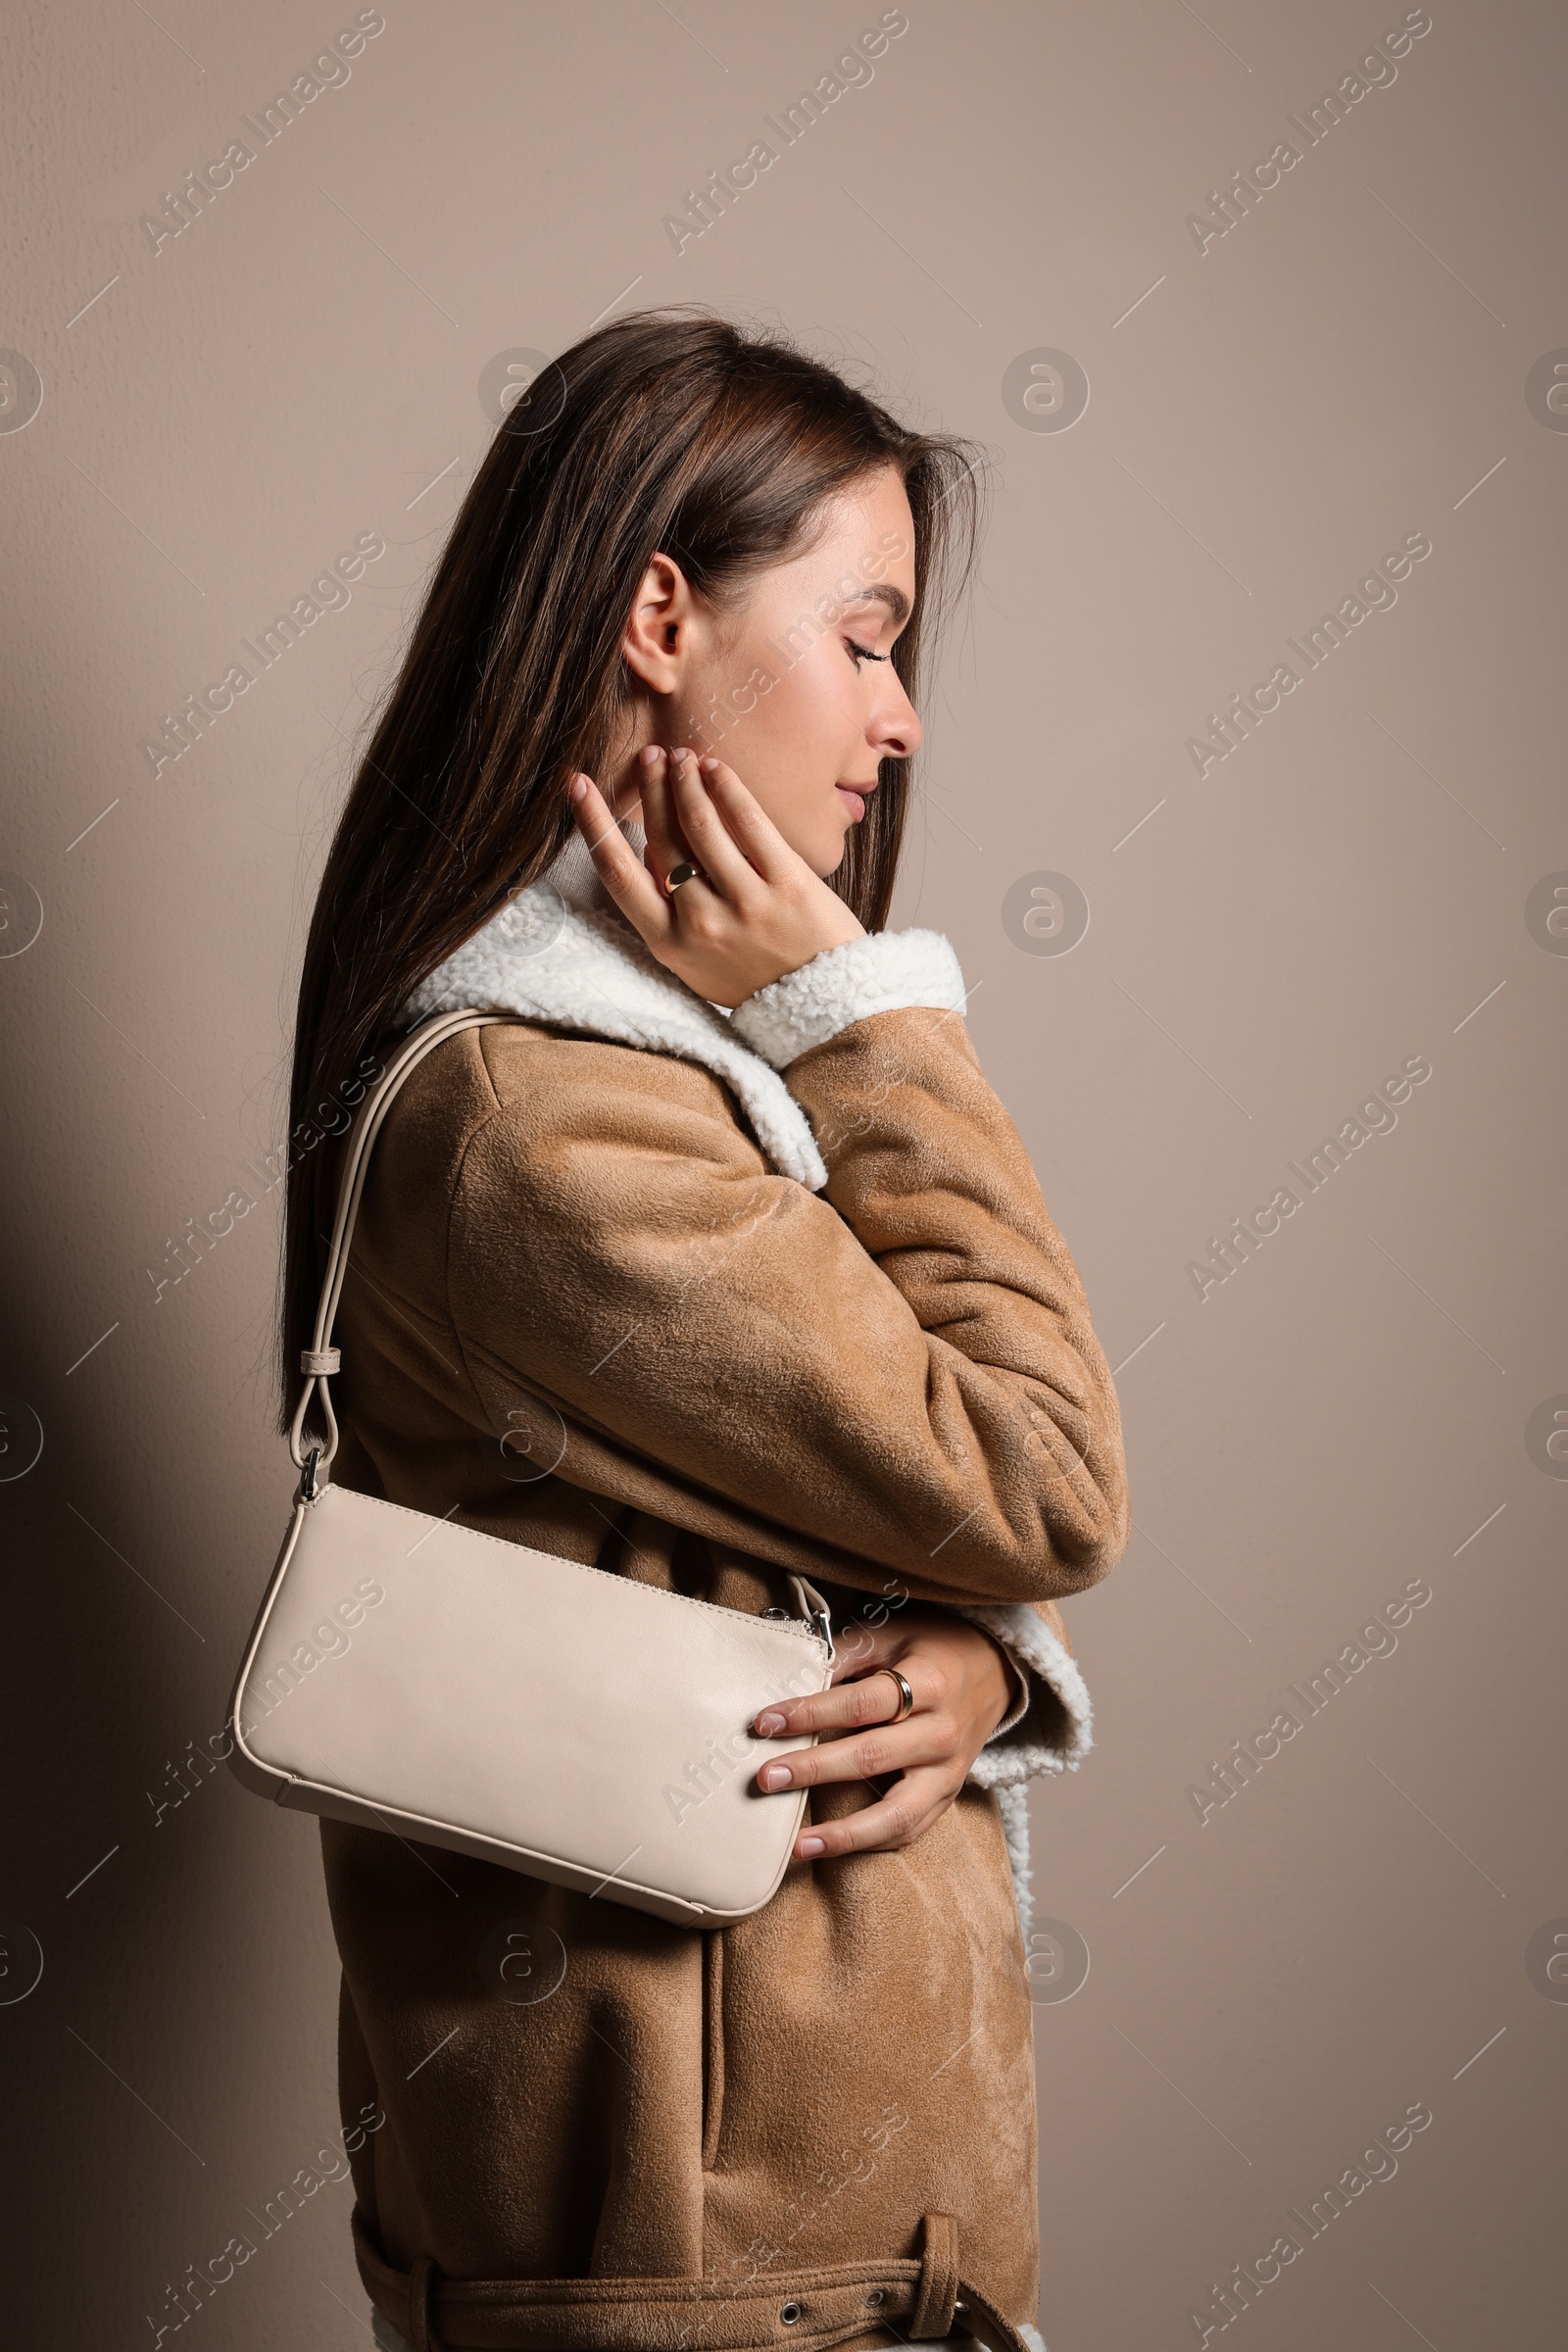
(1359, 1930)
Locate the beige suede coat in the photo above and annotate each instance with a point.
(701, 1299)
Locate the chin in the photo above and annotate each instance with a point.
(832, 858)
(822, 850)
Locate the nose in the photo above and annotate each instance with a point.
(894, 730)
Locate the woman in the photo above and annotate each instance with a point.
(717, 1260)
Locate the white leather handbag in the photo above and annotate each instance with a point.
(460, 1690)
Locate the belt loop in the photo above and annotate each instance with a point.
(939, 2278)
(423, 2279)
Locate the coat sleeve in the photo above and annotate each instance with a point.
(1049, 1726)
(899, 1367)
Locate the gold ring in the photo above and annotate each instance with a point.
(682, 873)
(905, 1695)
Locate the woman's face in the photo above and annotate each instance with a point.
(795, 692)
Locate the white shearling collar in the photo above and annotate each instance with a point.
(562, 952)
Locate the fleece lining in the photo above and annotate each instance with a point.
(883, 973)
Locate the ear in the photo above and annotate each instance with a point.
(656, 640)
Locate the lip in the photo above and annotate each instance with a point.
(853, 800)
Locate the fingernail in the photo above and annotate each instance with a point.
(773, 1776)
(769, 1726)
(707, 764)
(679, 753)
(813, 1845)
(649, 753)
(579, 785)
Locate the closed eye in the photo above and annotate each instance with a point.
(863, 653)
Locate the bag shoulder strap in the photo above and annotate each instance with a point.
(321, 1358)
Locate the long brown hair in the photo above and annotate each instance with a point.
(664, 431)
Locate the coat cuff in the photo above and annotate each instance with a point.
(1054, 1730)
(883, 973)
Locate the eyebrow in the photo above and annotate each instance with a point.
(883, 592)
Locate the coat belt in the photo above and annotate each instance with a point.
(803, 2311)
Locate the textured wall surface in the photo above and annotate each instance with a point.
(1207, 936)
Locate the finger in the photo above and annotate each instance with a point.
(763, 844)
(905, 1813)
(667, 844)
(619, 866)
(868, 1756)
(874, 1698)
(714, 846)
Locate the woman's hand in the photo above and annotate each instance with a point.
(963, 1686)
(755, 911)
